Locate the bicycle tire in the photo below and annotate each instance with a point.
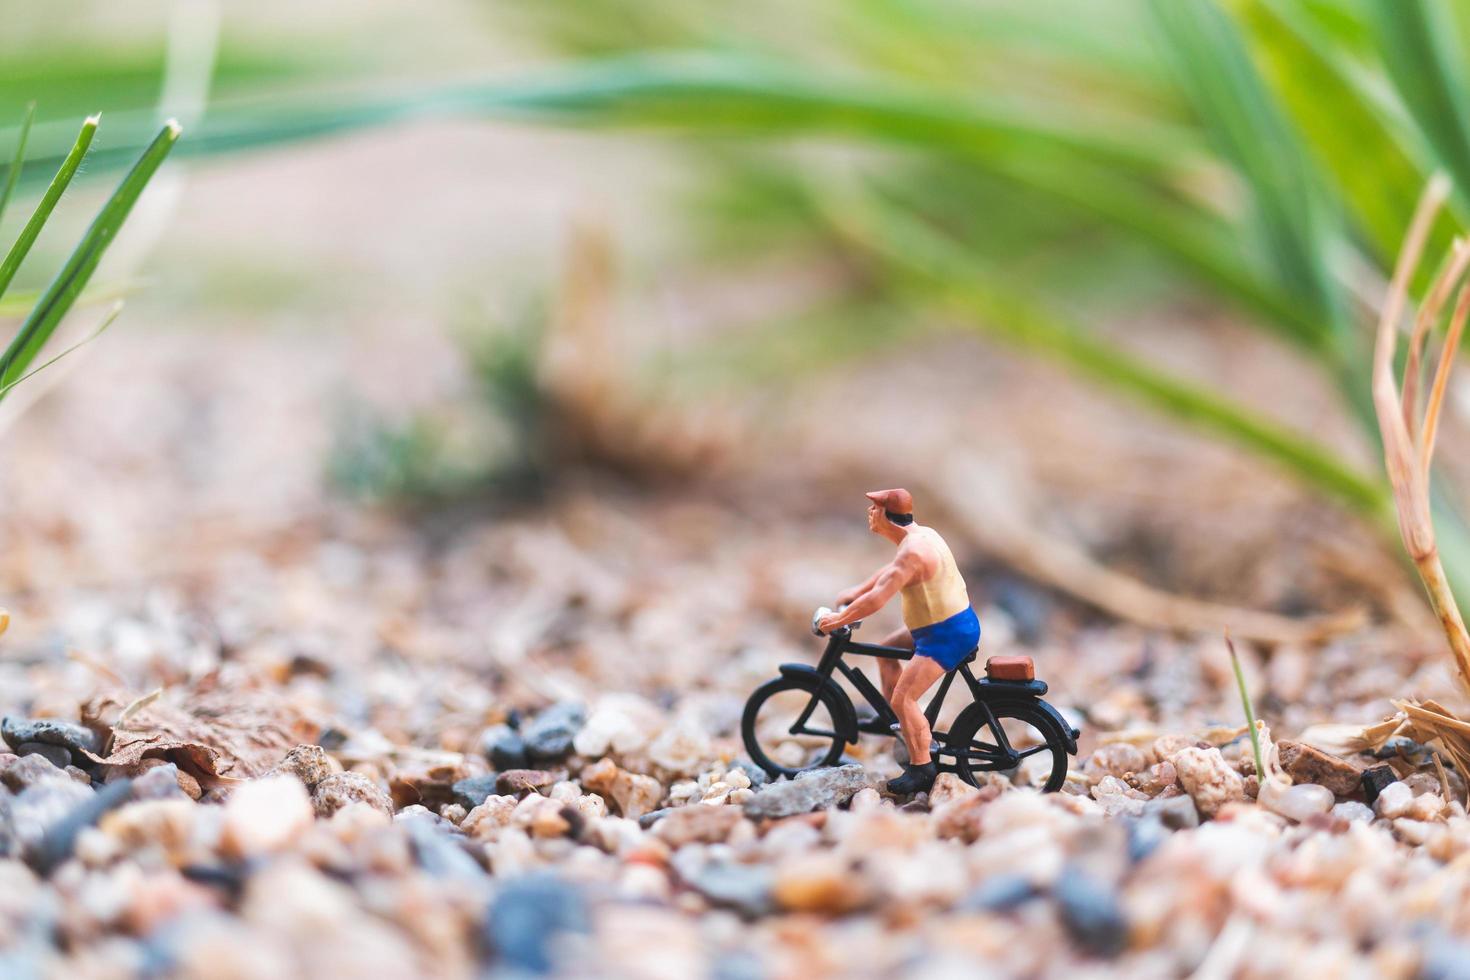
(750, 722)
(1028, 712)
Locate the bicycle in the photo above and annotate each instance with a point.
(1028, 738)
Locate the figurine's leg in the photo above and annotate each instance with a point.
(917, 677)
(889, 670)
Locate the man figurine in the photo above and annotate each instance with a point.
(941, 628)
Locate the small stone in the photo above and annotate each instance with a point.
(1091, 912)
(470, 793)
(1308, 764)
(1118, 759)
(1208, 779)
(541, 816)
(264, 815)
(486, 820)
(1426, 806)
(633, 794)
(72, 737)
(1375, 780)
(1156, 779)
(342, 789)
(308, 763)
(949, 787)
(527, 916)
(815, 789)
(1393, 801)
(820, 883)
(518, 782)
(1174, 812)
(744, 888)
(681, 749)
(549, 736)
(504, 747)
(54, 754)
(1144, 837)
(432, 786)
(758, 777)
(159, 783)
(44, 805)
(1000, 893)
(1299, 802)
(60, 838)
(453, 812)
(1353, 812)
(439, 849)
(698, 824)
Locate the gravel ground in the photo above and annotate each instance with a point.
(257, 732)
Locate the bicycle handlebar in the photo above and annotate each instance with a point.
(822, 612)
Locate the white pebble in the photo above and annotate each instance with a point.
(1300, 802)
(265, 814)
(1353, 811)
(1394, 800)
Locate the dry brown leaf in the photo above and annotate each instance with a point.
(214, 735)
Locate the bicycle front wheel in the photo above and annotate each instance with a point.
(790, 726)
(1014, 738)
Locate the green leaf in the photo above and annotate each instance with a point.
(1295, 223)
(1424, 58)
(724, 93)
(936, 269)
(12, 174)
(42, 213)
(64, 289)
(1343, 122)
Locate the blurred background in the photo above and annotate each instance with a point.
(656, 292)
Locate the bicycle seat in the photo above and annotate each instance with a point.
(1013, 668)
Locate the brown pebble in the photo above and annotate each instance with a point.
(1308, 764)
(343, 788)
(519, 782)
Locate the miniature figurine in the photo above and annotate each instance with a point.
(940, 626)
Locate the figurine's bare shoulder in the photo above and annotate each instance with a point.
(919, 554)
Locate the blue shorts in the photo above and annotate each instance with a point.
(949, 641)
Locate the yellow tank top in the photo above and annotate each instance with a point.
(938, 597)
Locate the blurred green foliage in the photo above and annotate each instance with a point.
(988, 159)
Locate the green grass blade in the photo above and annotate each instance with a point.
(1425, 61)
(17, 162)
(64, 289)
(98, 331)
(42, 213)
(1250, 711)
(1237, 110)
(933, 267)
(1352, 137)
(719, 93)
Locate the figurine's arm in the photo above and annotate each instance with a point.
(846, 596)
(886, 582)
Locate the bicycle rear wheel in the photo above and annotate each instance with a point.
(790, 726)
(1015, 738)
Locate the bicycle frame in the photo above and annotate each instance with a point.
(840, 643)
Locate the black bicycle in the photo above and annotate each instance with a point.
(804, 719)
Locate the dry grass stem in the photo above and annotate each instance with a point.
(1441, 381)
(1408, 445)
(1428, 316)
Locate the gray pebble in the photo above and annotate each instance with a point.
(60, 838)
(528, 915)
(743, 888)
(470, 793)
(159, 783)
(504, 747)
(758, 776)
(54, 754)
(47, 731)
(999, 893)
(31, 770)
(816, 789)
(1091, 912)
(1173, 812)
(43, 806)
(549, 736)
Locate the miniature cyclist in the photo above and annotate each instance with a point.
(940, 626)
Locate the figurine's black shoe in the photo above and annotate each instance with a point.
(915, 779)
